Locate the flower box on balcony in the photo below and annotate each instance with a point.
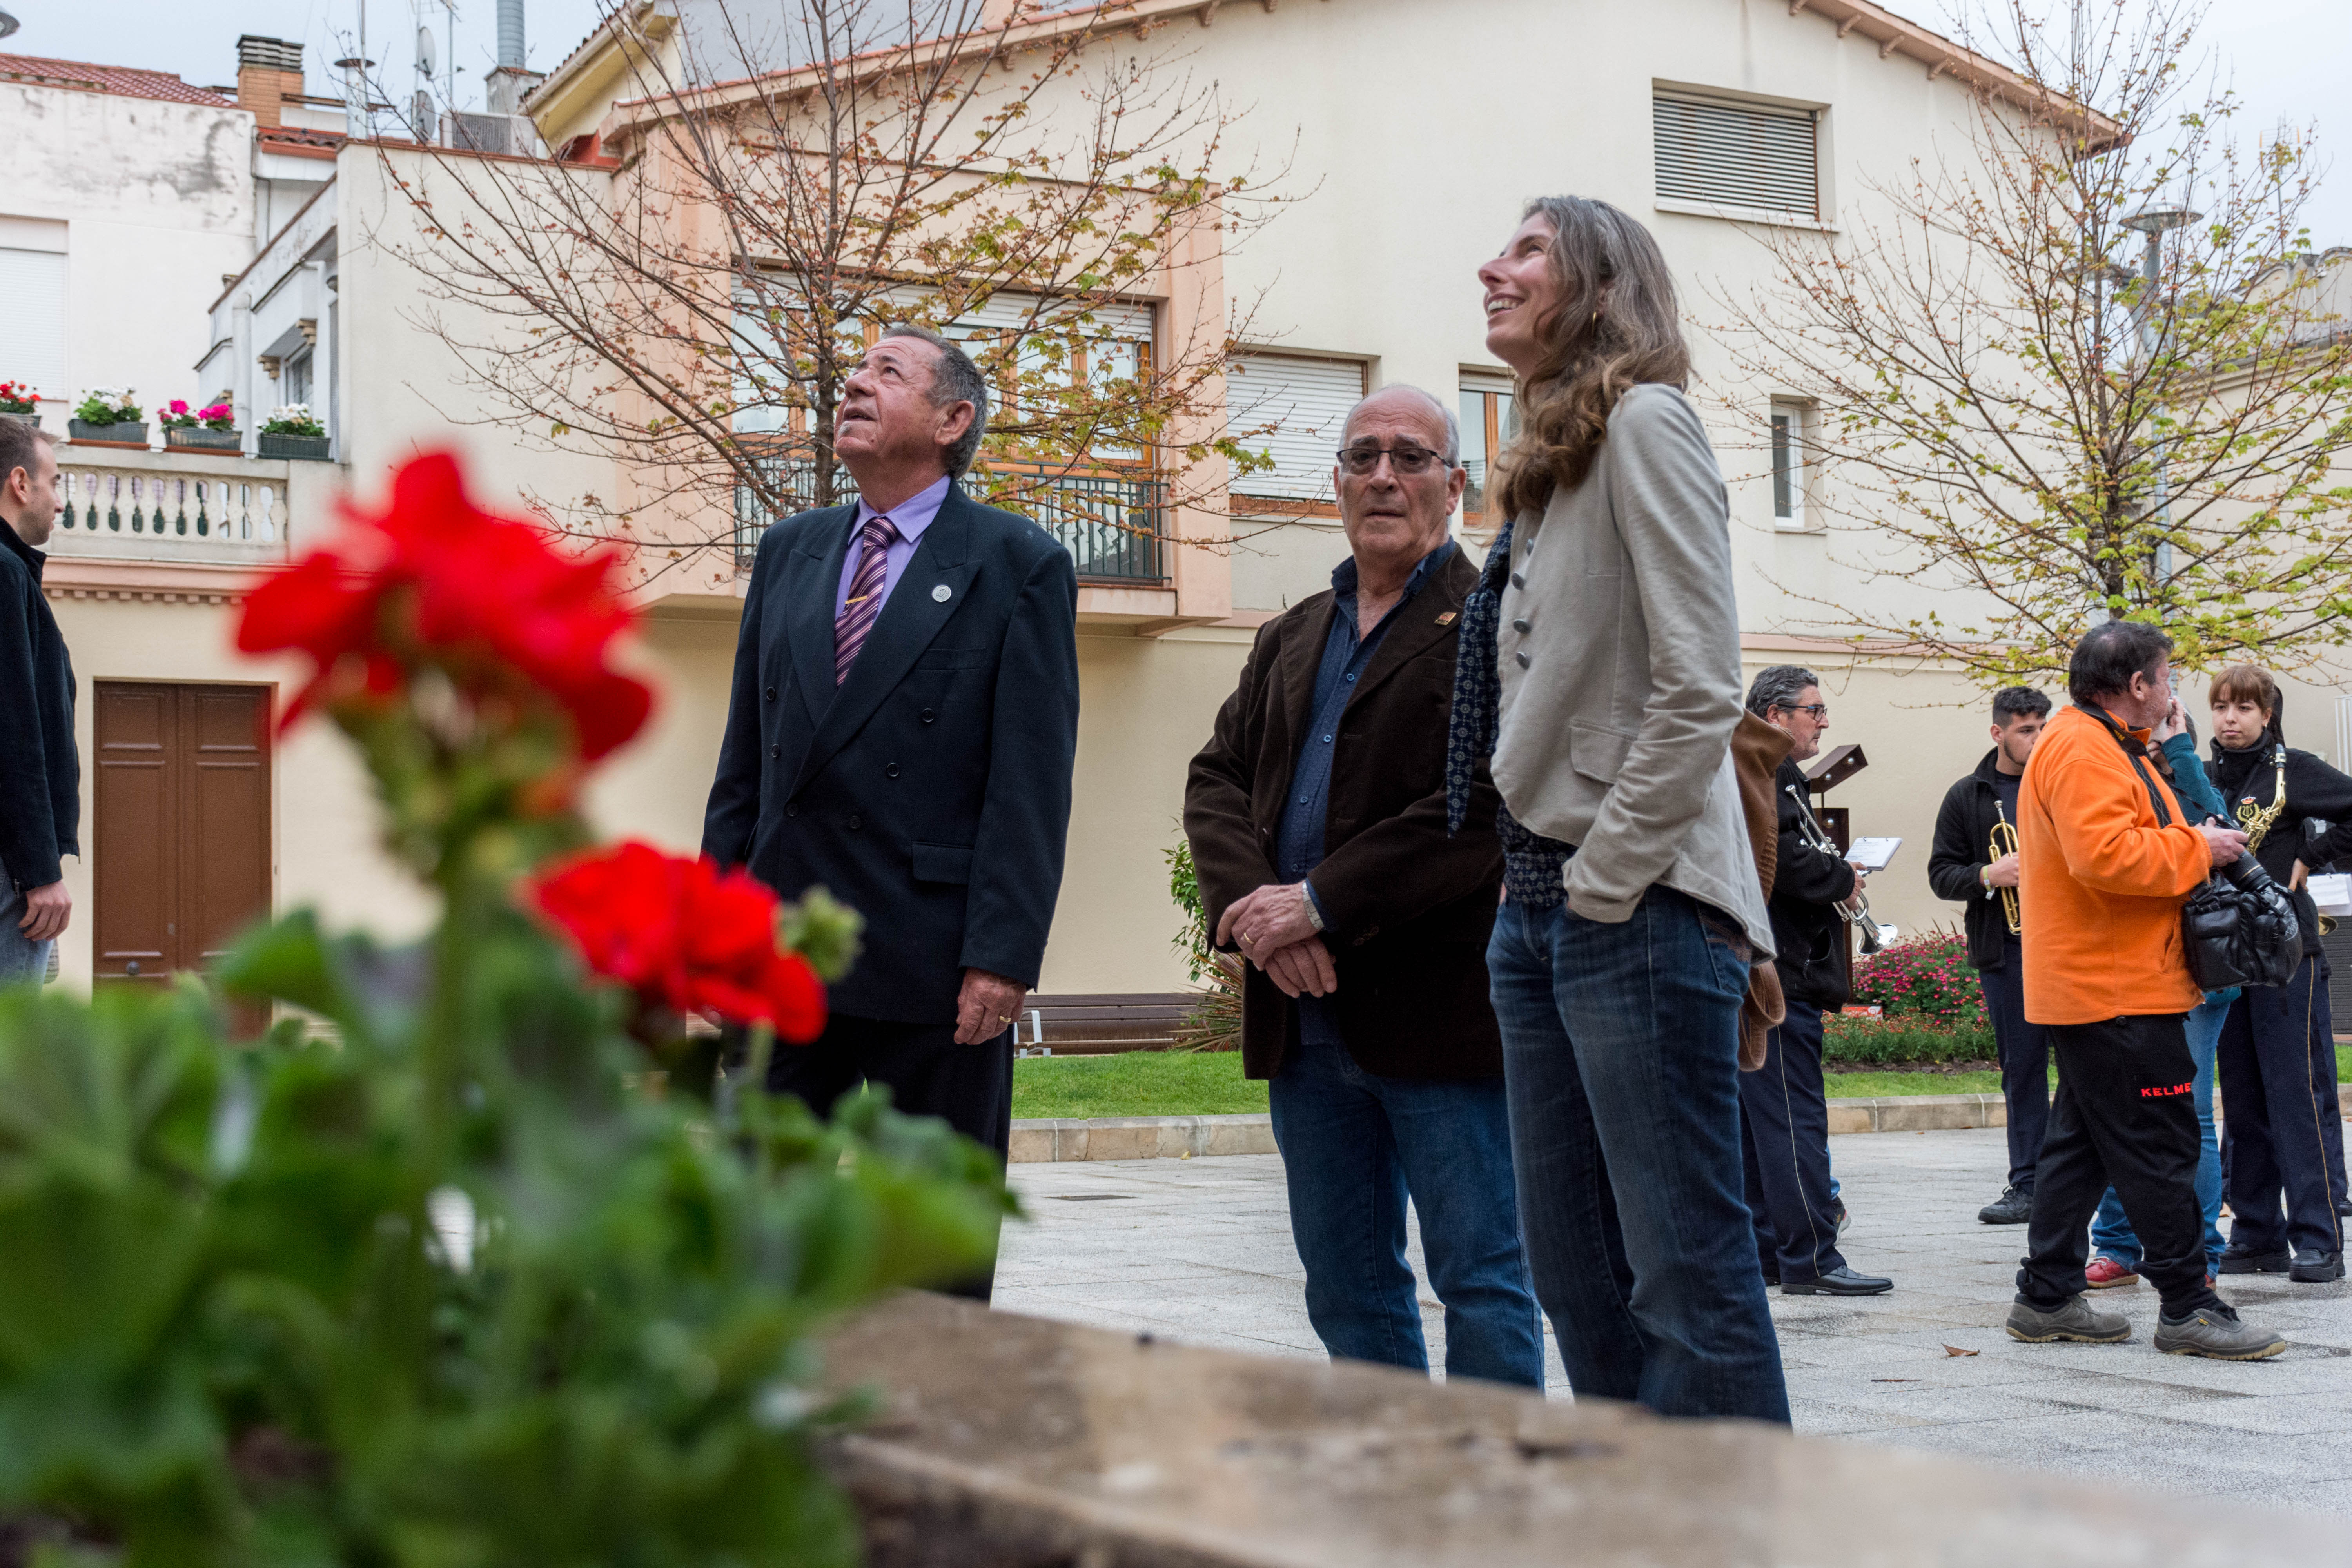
(183, 440)
(123, 433)
(308, 448)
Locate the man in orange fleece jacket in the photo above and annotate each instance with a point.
(2106, 860)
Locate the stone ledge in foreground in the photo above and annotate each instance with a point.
(1013, 1442)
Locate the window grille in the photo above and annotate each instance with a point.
(1752, 155)
(1306, 401)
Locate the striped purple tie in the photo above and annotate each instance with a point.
(865, 601)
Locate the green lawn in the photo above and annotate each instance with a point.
(1135, 1083)
(1210, 1083)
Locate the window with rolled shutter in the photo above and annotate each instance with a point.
(1306, 401)
(33, 319)
(1728, 154)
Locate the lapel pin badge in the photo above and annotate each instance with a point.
(1446, 619)
(941, 594)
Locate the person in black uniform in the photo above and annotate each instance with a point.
(1783, 1114)
(2282, 1133)
(1962, 867)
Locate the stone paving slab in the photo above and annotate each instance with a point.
(1200, 1251)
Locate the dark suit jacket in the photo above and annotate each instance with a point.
(1407, 911)
(1808, 933)
(931, 792)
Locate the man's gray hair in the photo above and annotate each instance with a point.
(954, 379)
(1779, 687)
(1452, 453)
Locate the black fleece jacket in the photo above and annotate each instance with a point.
(2315, 793)
(1806, 927)
(1964, 825)
(40, 772)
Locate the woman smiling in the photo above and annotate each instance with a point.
(1600, 668)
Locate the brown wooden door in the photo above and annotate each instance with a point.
(183, 833)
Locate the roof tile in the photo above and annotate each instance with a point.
(123, 82)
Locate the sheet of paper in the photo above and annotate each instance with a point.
(2332, 893)
(1872, 854)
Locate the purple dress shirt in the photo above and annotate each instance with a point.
(909, 517)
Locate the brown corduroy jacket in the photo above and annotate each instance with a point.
(1407, 909)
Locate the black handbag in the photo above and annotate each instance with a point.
(2238, 928)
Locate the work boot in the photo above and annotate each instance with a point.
(2313, 1267)
(2014, 1206)
(2076, 1321)
(2238, 1260)
(2215, 1332)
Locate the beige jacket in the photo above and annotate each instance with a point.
(1619, 651)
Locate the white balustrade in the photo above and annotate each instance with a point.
(162, 507)
(172, 509)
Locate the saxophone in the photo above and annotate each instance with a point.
(2256, 821)
(2003, 841)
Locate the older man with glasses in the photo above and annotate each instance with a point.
(1316, 815)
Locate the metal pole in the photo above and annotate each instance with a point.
(2152, 258)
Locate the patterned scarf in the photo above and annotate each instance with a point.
(1477, 687)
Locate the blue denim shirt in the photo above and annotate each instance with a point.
(1298, 846)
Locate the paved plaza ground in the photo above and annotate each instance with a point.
(1198, 1251)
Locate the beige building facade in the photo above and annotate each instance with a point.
(1708, 120)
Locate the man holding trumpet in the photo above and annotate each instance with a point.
(1975, 861)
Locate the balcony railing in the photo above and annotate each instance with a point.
(159, 506)
(1112, 524)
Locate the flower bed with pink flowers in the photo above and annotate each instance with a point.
(1931, 1009)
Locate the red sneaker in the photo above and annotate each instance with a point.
(2105, 1272)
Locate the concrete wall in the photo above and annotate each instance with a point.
(157, 199)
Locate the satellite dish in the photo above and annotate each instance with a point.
(424, 65)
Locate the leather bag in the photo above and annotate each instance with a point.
(2238, 928)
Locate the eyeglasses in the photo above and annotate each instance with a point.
(1820, 710)
(1362, 460)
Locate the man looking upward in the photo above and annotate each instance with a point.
(1963, 867)
(1316, 815)
(40, 770)
(901, 731)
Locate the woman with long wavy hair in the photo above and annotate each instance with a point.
(1600, 669)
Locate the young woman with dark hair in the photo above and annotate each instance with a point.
(2284, 1135)
(1600, 667)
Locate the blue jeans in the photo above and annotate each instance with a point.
(2111, 1233)
(21, 958)
(1354, 1145)
(1620, 1045)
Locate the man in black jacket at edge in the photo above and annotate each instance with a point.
(40, 771)
(1783, 1109)
(1962, 867)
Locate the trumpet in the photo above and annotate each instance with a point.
(1856, 912)
(2003, 841)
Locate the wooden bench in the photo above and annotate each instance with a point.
(1092, 1025)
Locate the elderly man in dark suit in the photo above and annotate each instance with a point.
(1316, 815)
(901, 732)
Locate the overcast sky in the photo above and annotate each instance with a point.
(2288, 59)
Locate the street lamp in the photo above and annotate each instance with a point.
(2153, 222)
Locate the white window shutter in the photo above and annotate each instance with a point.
(33, 320)
(1306, 401)
(1737, 154)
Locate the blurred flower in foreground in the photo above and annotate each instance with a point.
(685, 936)
(432, 582)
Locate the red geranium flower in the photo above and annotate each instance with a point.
(432, 579)
(685, 936)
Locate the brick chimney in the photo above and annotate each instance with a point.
(269, 71)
